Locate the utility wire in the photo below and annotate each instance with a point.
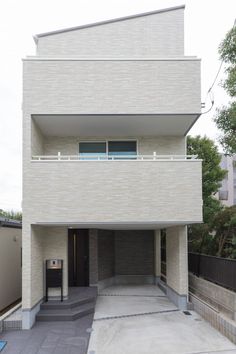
(211, 87)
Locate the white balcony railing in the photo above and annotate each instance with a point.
(81, 158)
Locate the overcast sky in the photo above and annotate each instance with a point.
(206, 23)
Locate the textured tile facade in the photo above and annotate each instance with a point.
(122, 87)
(149, 36)
(177, 259)
(162, 145)
(135, 66)
(42, 243)
(118, 191)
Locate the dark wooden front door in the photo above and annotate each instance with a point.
(78, 257)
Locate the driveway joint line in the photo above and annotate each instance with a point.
(216, 351)
(135, 315)
(132, 295)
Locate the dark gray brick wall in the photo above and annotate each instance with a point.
(106, 254)
(134, 252)
(93, 257)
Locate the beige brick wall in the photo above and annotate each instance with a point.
(162, 145)
(177, 259)
(55, 245)
(41, 243)
(146, 36)
(37, 139)
(112, 87)
(118, 191)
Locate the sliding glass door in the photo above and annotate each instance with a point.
(111, 150)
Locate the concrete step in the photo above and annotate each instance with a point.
(66, 314)
(67, 304)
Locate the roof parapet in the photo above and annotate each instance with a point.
(100, 23)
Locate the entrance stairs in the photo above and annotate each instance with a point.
(81, 302)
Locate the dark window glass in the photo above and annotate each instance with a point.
(122, 148)
(91, 151)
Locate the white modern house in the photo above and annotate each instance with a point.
(106, 110)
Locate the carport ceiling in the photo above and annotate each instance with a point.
(117, 226)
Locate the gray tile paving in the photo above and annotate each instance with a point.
(50, 338)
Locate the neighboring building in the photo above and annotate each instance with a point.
(10, 262)
(106, 110)
(227, 191)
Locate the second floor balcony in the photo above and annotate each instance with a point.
(142, 191)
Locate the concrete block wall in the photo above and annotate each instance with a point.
(223, 324)
(224, 300)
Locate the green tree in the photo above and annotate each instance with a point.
(212, 173)
(226, 116)
(224, 225)
(200, 239)
(15, 215)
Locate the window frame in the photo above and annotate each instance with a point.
(106, 141)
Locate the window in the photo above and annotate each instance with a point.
(92, 150)
(108, 150)
(122, 148)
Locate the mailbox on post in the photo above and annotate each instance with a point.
(54, 275)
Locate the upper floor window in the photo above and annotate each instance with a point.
(122, 149)
(108, 150)
(92, 150)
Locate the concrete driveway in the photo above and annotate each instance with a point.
(141, 320)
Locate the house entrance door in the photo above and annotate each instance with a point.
(78, 257)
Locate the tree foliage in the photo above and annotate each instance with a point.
(224, 225)
(199, 235)
(212, 174)
(15, 215)
(226, 116)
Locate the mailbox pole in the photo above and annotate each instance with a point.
(54, 275)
